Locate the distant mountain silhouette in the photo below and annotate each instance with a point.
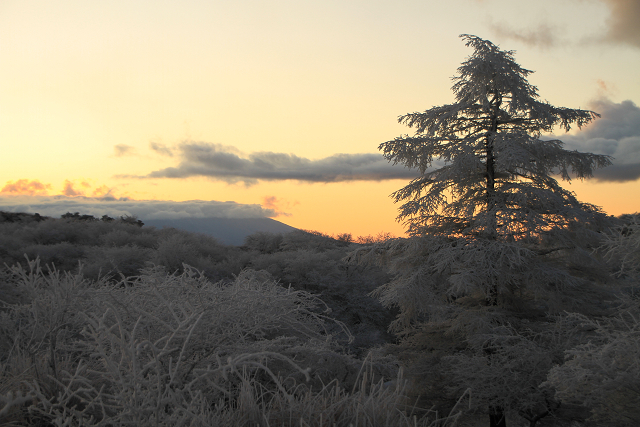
(230, 231)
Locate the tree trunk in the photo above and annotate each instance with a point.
(490, 166)
(496, 413)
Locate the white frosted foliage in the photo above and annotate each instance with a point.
(497, 245)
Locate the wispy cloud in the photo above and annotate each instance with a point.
(55, 206)
(623, 25)
(605, 89)
(71, 188)
(227, 163)
(102, 191)
(620, 27)
(26, 187)
(616, 134)
(122, 150)
(70, 191)
(161, 149)
(543, 36)
(276, 204)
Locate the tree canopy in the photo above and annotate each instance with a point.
(498, 174)
(496, 241)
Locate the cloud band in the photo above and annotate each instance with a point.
(228, 164)
(54, 206)
(616, 134)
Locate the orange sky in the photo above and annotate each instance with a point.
(87, 87)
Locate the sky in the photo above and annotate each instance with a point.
(246, 108)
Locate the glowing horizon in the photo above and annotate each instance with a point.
(300, 93)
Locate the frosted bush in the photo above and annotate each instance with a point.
(604, 373)
(123, 235)
(264, 242)
(178, 350)
(622, 246)
(63, 256)
(115, 261)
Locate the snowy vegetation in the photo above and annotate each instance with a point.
(129, 330)
(174, 350)
(511, 303)
(500, 252)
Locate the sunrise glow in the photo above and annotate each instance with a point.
(281, 105)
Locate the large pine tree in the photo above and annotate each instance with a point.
(497, 179)
(491, 224)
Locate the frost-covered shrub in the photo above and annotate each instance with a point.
(274, 263)
(300, 239)
(264, 242)
(180, 350)
(303, 268)
(622, 246)
(504, 367)
(176, 247)
(67, 230)
(56, 231)
(66, 241)
(603, 374)
(123, 235)
(344, 289)
(10, 248)
(371, 239)
(233, 263)
(306, 267)
(173, 250)
(64, 256)
(115, 261)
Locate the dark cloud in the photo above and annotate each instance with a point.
(55, 206)
(161, 149)
(24, 186)
(623, 25)
(228, 164)
(121, 150)
(617, 134)
(543, 36)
